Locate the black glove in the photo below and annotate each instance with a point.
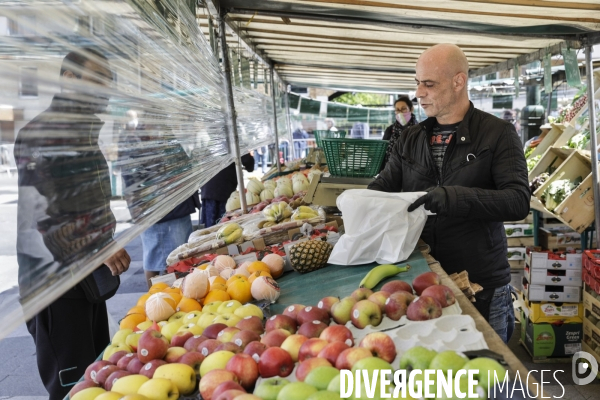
(436, 201)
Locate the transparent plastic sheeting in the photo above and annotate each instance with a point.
(104, 147)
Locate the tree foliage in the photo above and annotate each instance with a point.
(364, 99)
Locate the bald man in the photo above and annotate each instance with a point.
(473, 169)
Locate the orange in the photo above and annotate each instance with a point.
(256, 274)
(216, 295)
(137, 310)
(240, 291)
(235, 278)
(218, 286)
(218, 279)
(158, 287)
(186, 305)
(174, 293)
(203, 266)
(258, 266)
(142, 300)
(131, 321)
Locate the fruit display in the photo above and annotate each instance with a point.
(310, 255)
(569, 112)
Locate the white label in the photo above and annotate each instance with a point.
(291, 308)
(93, 375)
(320, 305)
(572, 348)
(105, 367)
(356, 313)
(273, 317)
(255, 357)
(220, 333)
(197, 336)
(205, 351)
(148, 366)
(308, 308)
(387, 300)
(190, 316)
(316, 322)
(238, 342)
(169, 279)
(114, 380)
(144, 352)
(248, 317)
(348, 342)
(230, 304)
(129, 355)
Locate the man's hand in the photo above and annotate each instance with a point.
(119, 262)
(436, 201)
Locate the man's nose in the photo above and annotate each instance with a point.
(420, 92)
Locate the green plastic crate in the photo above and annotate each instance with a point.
(358, 158)
(328, 135)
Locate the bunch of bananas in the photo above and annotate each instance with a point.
(380, 272)
(230, 233)
(304, 212)
(277, 212)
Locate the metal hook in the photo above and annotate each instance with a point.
(471, 154)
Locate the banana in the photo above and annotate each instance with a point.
(303, 216)
(306, 209)
(235, 235)
(380, 272)
(227, 230)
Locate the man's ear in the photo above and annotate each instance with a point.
(69, 74)
(459, 81)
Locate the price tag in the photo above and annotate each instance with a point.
(571, 68)
(169, 279)
(547, 74)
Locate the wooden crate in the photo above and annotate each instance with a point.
(576, 165)
(553, 157)
(577, 210)
(566, 135)
(548, 141)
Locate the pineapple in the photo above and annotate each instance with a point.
(310, 255)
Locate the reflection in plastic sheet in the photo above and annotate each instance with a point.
(135, 112)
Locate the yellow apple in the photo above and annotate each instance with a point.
(216, 360)
(182, 375)
(176, 316)
(195, 329)
(133, 339)
(227, 319)
(229, 307)
(120, 336)
(88, 394)
(159, 389)
(109, 396)
(212, 307)
(206, 319)
(129, 384)
(113, 348)
(134, 397)
(192, 317)
(142, 326)
(170, 329)
(249, 310)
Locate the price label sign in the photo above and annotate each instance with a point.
(547, 74)
(571, 68)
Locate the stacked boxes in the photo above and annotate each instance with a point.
(519, 235)
(559, 238)
(591, 322)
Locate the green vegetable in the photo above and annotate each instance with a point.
(529, 151)
(558, 191)
(532, 162)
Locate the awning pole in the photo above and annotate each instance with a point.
(288, 120)
(275, 117)
(594, 142)
(232, 114)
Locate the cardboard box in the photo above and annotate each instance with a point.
(549, 312)
(559, 277)
(591, 300)
(563, 294)
(516, 279)
(556, 238)
(547, 340)
(515, 230)
(541, 261)
(591, 330)
(518, 265)
(522, 241)
(516, 253)
(591, 282)
(591, 259)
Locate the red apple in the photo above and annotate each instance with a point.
(312, 329)
(208, 346)
(192, 343)
(135, 365)
(443, 294)
(332, 351)
(226, 386)
(395, 286)
(255, 349)
(230, 394)
(425, 280)
(349, 357)
(112, 378)
(292, 311)
(115, 357)
(341, 312)
(93, 368)
(245, 368)
(365, 313)
(381, 345)
(379, 298)
(242, 338)
(227, 334)
(361, 294)
(251, 323)
(281, 321)
(180, 338)
(212, 331)
(338, 333)
(397, 304)
(193, 359)
(210, 382)
(275, 362)
(308, 365)
(104, 373)
(229, 346)
(124, 361)
(292, 345)
(327, 302)
(79, 386)
(151, 366)
(424, 308)
(152, 346)
(310, 314)
(275, 338)
(174, 353)
(311, 348)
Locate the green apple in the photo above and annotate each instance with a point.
(132, 340)
(120, 336)
(321, 376)
(464, 388)
(228, 307)
(109, 396)
(142, 326)
(216, 360)
(270, 388)
(129, 384)
(171, 328)
(228, 319)
(211, 307)
(417, 357)
(206, 319)
(485, 365)
(113, 348)
(159, 389)
(192, 327)
(371, 364)
(448, 360)
(192, 317)
(296, 391)
(248, 310)
(182, 375)
(88, 394)
(324, 395)
(334, 384)
(178, 315)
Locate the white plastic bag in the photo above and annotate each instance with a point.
(378, 227)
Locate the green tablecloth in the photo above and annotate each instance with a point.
(336, 280)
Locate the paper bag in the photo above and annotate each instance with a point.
(378, 227)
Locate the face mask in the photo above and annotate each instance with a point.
(403, 118)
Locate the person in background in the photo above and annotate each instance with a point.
(405, 118)
(330, 123)
(64, 216)
(215, 192)
(360, 130)
(472, 167)
(260, 158)
(299, 136)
